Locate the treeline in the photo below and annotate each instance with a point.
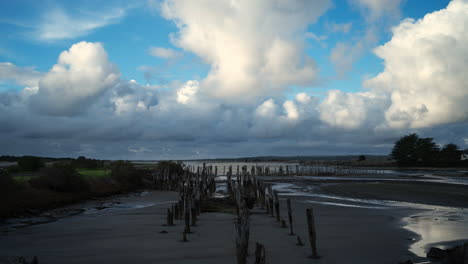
(412, 150)
(60, 183)
(33, 163)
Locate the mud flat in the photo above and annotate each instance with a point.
(133, 231)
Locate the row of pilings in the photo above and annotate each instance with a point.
(290, 170)
(245, 190)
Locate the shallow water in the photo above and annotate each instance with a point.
(440, 226)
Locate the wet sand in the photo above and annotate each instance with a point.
(132, 234)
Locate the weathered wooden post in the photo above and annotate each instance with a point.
(260, 254)
(176, 211)
(283, 224)
(170, 219)
(194, 216)
(312, 232)
(184, 235)
(291, 230)
(299, 241)
(277, 207)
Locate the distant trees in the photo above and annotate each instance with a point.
(411, 150)
(85, 163)
(30, 163)
(361, 158)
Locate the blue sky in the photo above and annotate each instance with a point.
(128, 40)
(160, 54)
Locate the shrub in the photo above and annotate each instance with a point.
(7, 184)
(171, 166)
(126, 174)
(61, 178)
(30, 163)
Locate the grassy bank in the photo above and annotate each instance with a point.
(426, 193)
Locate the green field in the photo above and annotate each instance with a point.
(94, 173)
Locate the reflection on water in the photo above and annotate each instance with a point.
(438, 228)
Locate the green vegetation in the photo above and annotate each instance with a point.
(411, 150)
(94, 174)
(60, 178)
(126, 174)
(30, 163)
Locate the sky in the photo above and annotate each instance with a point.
(184, 79)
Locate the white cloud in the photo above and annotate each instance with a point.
(424, 82)
(303, 98)
(187, 92)
(21, 76)
(267, 108)
(164, 53)
(425, 64)
(378, 8)
(339, 27)
(344, 54)
(81, 74)
(292, 113)
(254, 47)
(58, 24)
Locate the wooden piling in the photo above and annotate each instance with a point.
(260, 257)
(170, 219)
(291, 230)
(299, 241)
(277, 207)
(312, 232)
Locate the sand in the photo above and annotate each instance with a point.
(133, 235)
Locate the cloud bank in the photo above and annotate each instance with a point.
(82, 105)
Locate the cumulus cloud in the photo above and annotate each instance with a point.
(58, 24)
(81, 74)
(425, 64)
(164, 53)
(423, 83)
(254, 47)
(187, 92)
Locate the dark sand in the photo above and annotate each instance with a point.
(129, 235)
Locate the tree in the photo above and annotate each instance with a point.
(30, 163)
(126, 174)
(361, 158)
(411, 150)
(450, 154)
(404, 150)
